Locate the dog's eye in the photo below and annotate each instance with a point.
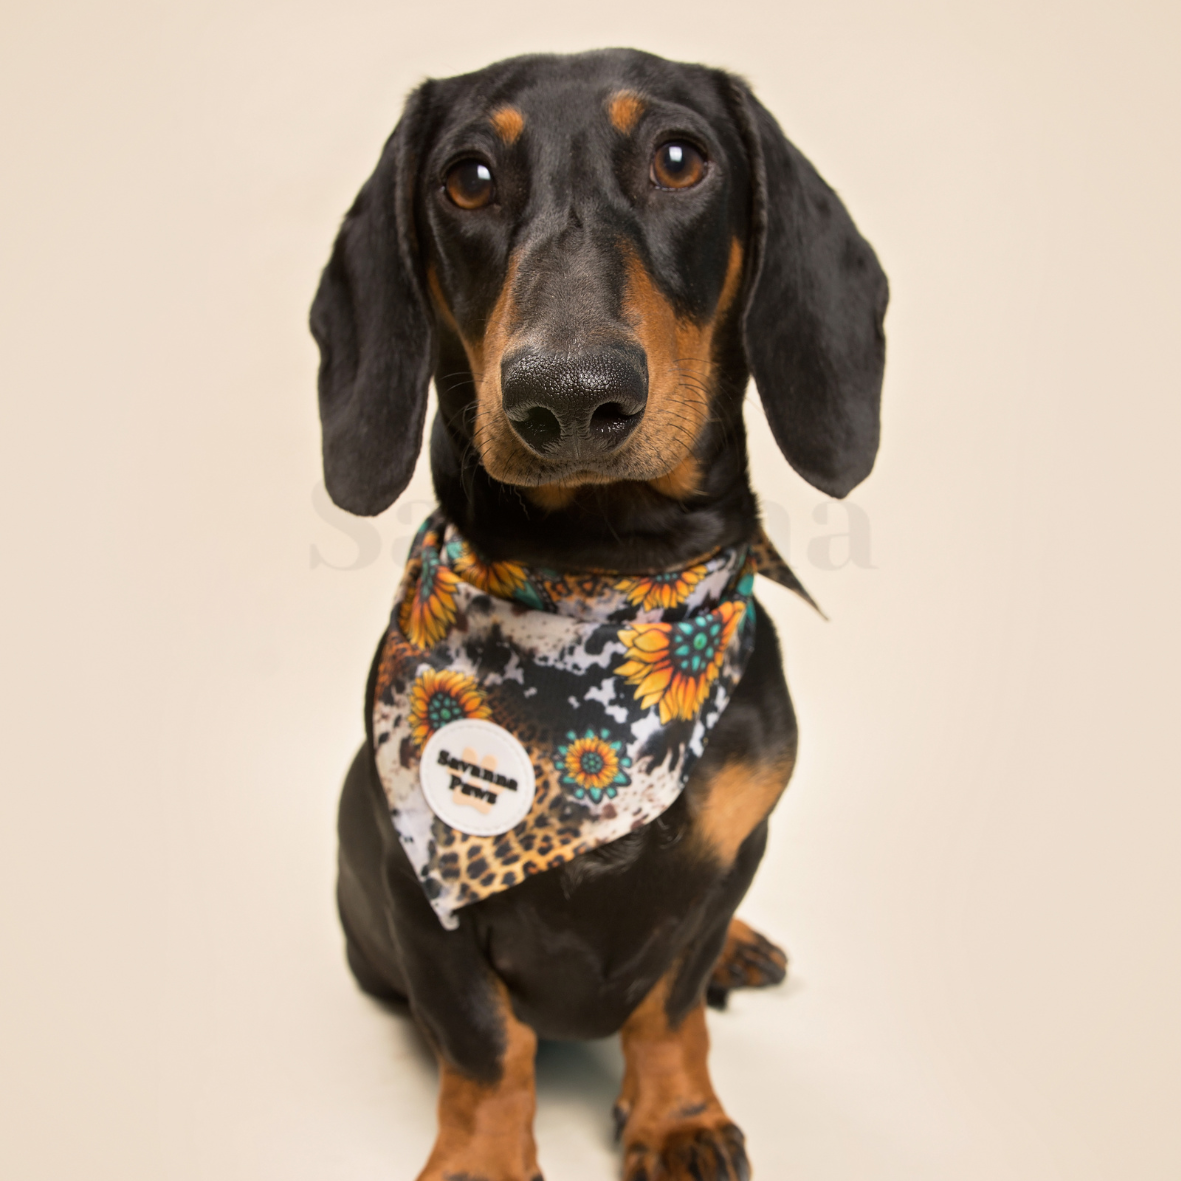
(469, 184)
(677, 165)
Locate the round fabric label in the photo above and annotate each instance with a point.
(477, 777)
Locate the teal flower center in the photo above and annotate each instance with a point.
(426, 579)
(694, 645)
(441, 709)
(591, 762)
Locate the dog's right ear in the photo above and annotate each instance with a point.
(375, 333)
(816, 299)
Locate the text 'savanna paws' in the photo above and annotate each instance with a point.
(690, 1154)
(748, 960)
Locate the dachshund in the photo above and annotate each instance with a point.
(591, 255)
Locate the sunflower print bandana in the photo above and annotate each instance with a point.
(610, 683)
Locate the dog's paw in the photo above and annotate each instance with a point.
(480, 1177)
(688, 1153)
(489, 1158)
(748, 960)
(467, 1176)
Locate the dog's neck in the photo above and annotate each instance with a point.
(629, 527)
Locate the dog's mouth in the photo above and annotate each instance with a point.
(525, 468)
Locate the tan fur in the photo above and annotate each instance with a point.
(680, 384)
(502, 452)
(439, 299)
(508, 123)
(667, 1096)
(727, 808)
(682, 481)
(624, 109)
(738, 935)
(486, 1129)
(680, 366)
(552, 496)
(748, 960)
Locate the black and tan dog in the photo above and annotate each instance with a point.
(591, 255)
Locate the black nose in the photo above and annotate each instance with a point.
(574, 405)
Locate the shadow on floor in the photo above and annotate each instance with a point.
(584, 1074)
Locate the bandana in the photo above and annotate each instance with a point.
(523, 716)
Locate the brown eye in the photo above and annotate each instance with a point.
(469, 184)
(677, 165)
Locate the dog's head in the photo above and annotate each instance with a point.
(589, 253)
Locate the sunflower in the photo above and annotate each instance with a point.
(427, 613)
(593, 765)
(661, 590)
(676, 663)
(505, 580)
(440, 696)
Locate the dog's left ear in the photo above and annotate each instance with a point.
(816, 298)
(375, 334)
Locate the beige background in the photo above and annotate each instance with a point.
(976, 868)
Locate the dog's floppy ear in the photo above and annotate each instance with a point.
(375, 333)
(816, 297)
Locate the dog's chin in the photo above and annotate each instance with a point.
(524, 468)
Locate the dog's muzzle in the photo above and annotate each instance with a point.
(581, 405)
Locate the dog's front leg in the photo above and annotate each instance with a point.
(485, 1055)
(486, 1123)
(672, 1124)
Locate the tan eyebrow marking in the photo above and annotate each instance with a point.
(508, 123)
(624, 109)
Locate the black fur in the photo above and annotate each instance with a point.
(579, 947)
(812, 335)
(376, 342)
(813, 330)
